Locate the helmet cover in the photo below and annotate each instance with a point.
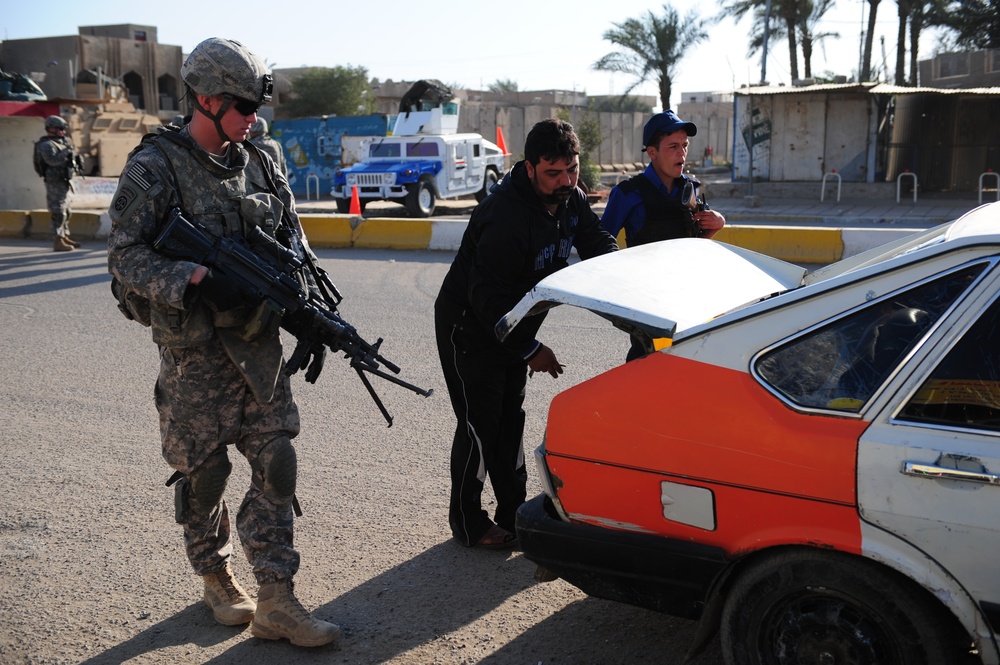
(222, 66)
(56, 122)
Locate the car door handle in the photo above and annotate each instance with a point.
(949, 473)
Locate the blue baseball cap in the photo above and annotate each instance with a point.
(665, 123)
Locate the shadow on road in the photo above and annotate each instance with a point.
(424, 600)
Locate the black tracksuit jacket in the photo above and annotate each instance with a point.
(512, 243)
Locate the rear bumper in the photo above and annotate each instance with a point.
(650, 571)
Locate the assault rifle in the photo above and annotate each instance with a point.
(263, 267)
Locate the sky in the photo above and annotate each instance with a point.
(539, 44)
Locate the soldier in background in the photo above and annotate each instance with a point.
(260, 138)
(57, 162)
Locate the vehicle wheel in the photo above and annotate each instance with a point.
(421, 199)
(818, 607)
(343, 206)
(489, 179)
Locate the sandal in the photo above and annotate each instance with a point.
(497, 538)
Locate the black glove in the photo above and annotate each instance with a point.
(307, 355)
(220, 292)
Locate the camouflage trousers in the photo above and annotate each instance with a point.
(204, 406)
(56, 200)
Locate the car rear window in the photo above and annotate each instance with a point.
(840, 365)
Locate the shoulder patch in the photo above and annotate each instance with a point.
(136, 184)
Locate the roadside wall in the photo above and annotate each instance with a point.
(20, 186)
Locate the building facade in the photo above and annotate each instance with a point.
(72, 67)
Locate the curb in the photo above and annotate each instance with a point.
(796, 244)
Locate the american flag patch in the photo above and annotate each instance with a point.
(140, 175)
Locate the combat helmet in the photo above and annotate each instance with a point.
(226, 68)
(258, 128)
(56, 122)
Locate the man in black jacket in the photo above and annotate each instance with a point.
(522, 232)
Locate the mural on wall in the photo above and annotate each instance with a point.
(313, 148)
(753, 118)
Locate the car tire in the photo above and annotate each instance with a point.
(343, 206)
(421, 199)
(805, 606)
(490, 178)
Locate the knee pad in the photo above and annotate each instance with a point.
(275, 470)
(208, 482)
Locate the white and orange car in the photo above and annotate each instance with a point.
(808, 463)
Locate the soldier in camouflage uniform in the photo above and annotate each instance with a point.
(218, 385)
(260, 138)
(55, 151)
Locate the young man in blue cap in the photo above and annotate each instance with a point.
(662, 202)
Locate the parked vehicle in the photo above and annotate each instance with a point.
(423, 160)
(808, 464)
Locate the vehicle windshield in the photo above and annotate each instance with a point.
(382, 149)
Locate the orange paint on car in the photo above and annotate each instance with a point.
(782, 476)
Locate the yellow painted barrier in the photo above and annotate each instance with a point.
(331, 231)
(84, 224)
(788, 243)
(12, 223)
(378, 233)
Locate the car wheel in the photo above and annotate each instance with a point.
(343, 206)
(489, 179)
(818, 607)
(421, 199)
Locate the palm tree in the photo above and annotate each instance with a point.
(903, 10)
(651, 47)
(789, 12)
(814, 11)
(866, 61)
(808, 37)
(974, 24)
(503, 85)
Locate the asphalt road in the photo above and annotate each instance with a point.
(91, 563)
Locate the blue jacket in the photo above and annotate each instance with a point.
(628, 211)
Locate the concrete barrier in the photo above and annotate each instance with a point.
(796, 244)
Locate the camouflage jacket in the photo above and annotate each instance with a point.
(224, 195)
(57, 154)
(272, 148)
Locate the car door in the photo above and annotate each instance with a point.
(929, 465)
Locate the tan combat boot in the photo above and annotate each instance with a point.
(280, 614)
(226, 598)
(69, 241)
(59, 245)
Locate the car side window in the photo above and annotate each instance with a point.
(840, 365)
(964, 389)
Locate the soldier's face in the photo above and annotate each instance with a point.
(236, 125)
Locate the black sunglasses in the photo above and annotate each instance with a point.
(245, 106)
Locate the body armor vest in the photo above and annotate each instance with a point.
(666, 218)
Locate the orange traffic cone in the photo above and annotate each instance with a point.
(500, 143)
(355, 202)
